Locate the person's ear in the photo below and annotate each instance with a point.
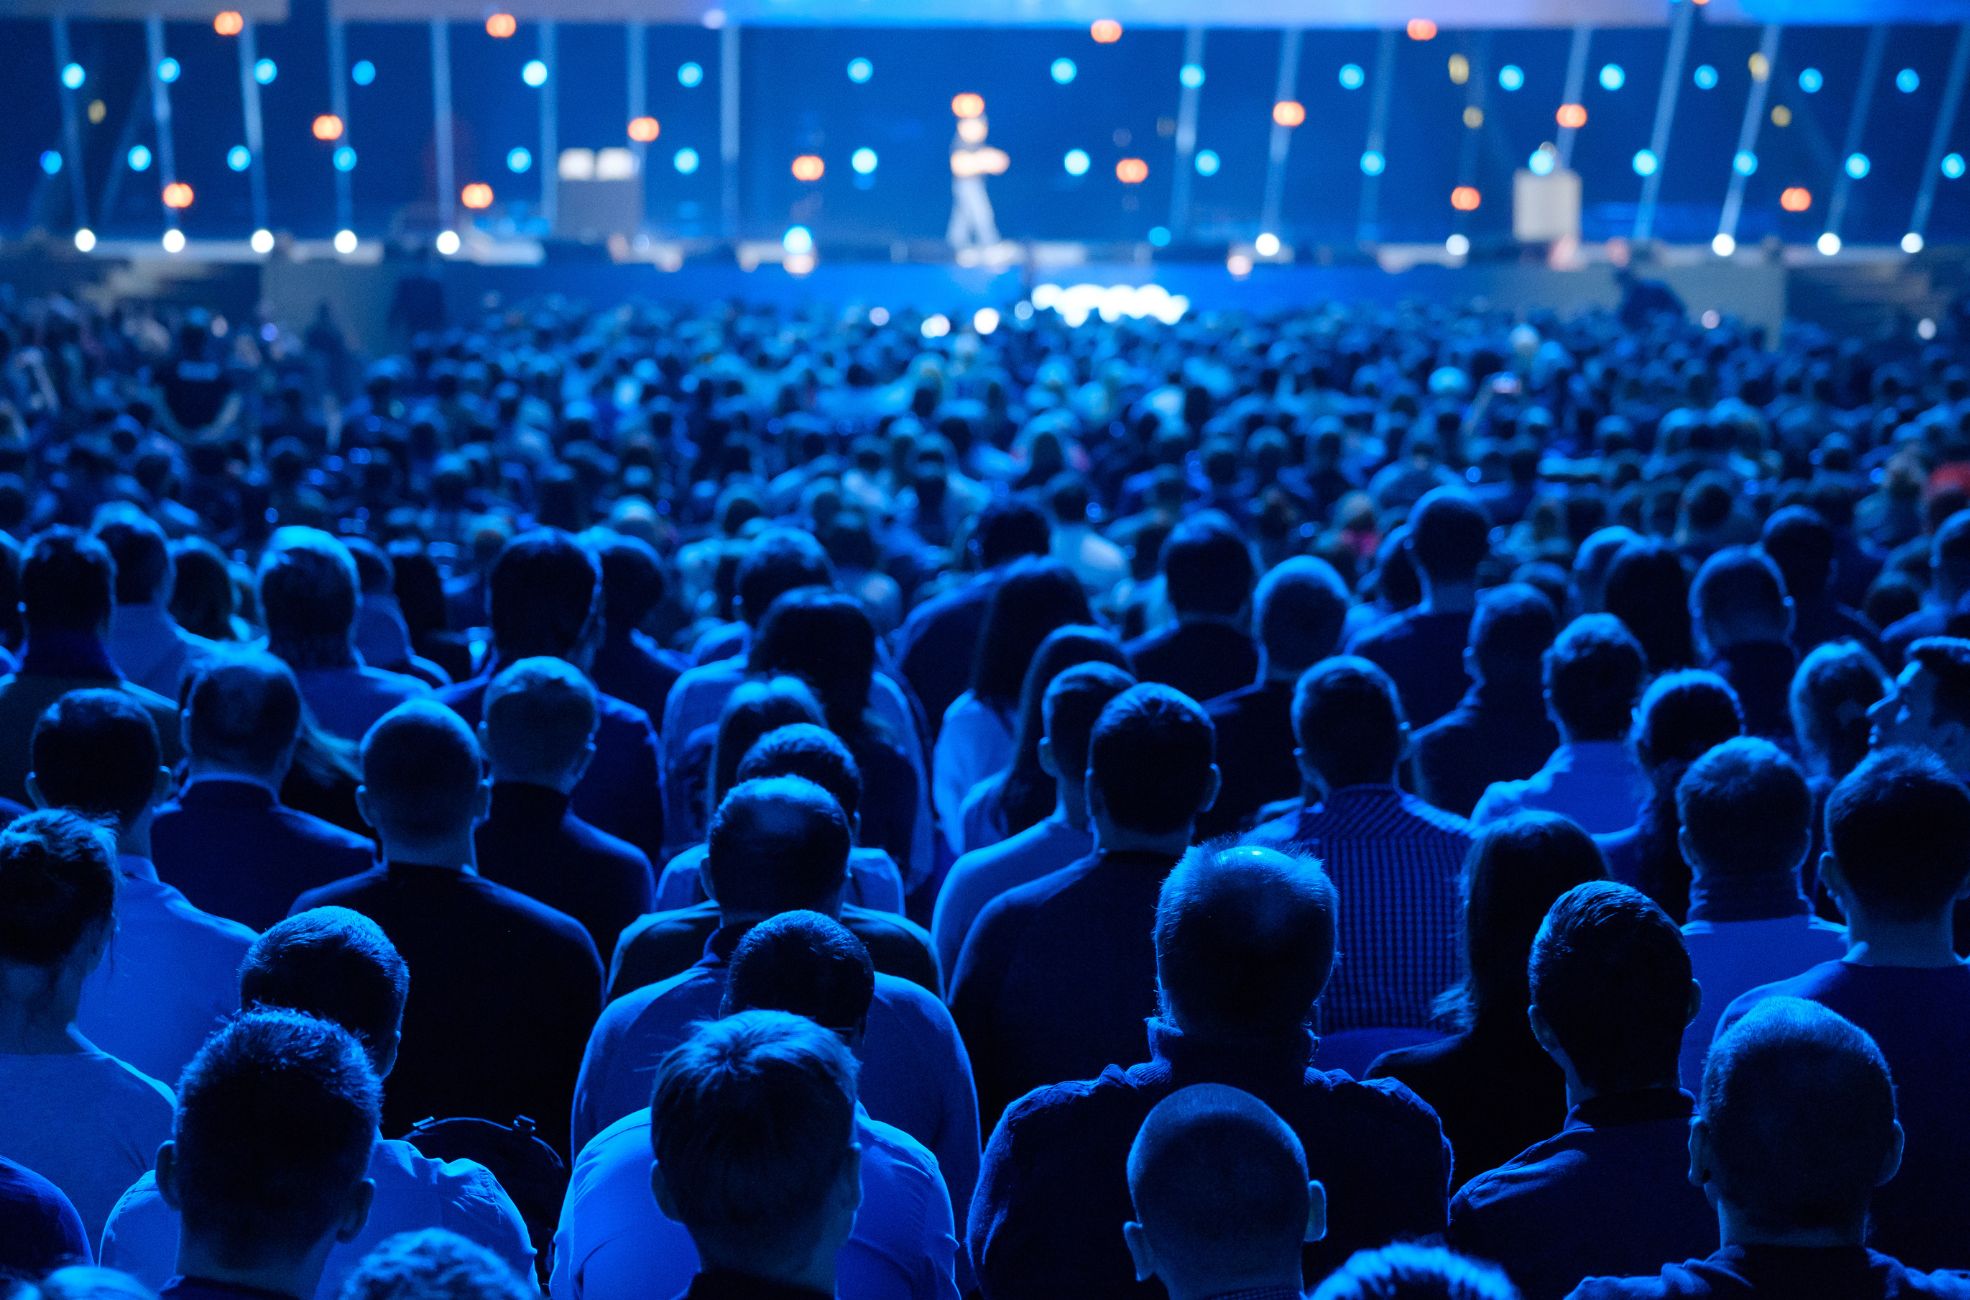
(1834, 880)
(185, 729)
(660, 1189)
(583, 763)
(363, 808)
(1141, 1254)
(1702, 1167)
(166, 1172)
(1683, 844)
(1309, 774)
(1696, 1003)
(355, 1211)
(1316, 1211)
(1048, 763)
(386, 1059)
(848, 1182)
(1403, 739)
(481, 801)
(161, 789)
(1542, 1032)
(1215, 786)
(1892, 1164)
(34, 794)
(704, 878)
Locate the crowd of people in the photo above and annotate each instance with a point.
(731, 802)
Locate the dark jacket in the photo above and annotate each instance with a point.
(532, 842)
(236, 851)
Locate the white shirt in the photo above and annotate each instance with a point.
(1597, 783)
(412, 1192)
(974, 743)
(86, 1122)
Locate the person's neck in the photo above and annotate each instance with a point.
(205, 770)
(1271, 672)
(451, 851)
(37, 1014)
(1198, 618)
(1928, 944)
(1070, 804)
(1285, 1275)
(1447, 597)
(562, 784)
(817, 1273)
(1579, 1091)
(1737, 1229)
(1110, 838)
(288, 1277)
(133, 841)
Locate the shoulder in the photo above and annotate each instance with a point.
(619, 714)
(218, 930)
(1386, 1101)
(140, 1093)
(1808, 984)
(1378, 632)
(347, 892)
(533, 916)
(1276, 833)
(1500, 799)
(308, 826)
(1435, 818)
(1630, 1288)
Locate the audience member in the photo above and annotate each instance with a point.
(1805, 548)
(1406, 1272)
(1394, 858)
(1647, 588)
(1500, 730)
(1207, 578)
(1611, 995)
(1744, 622)
(1245, 939)
(506, 987)
(435, 1265)
(167, 980)
(144, 641)
(629, 664)
(226, 839)
(1422, 648)
(1942, 601)
(1495, 1089)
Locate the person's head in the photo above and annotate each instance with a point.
(1152, 767)
(1301, 604)
(58, 885)
(1833, 690)
(1795, 1124)
(1406, 1272)
(1008, 529)
(1348, 721)
(249, 1205)
(1949, 559)
(337, 965)
(1898, 840)
(633, 581)
(83, 1282)
(1739, 598)
(1207, 568)
(1221, 1195)
(1245, 941)
(1611, 989)
(1929, 707)
(751, 711)
(67, 583)
(1074, 701)
(1593, 675)
(243, 717)
(545, 598)
(95, 752)
(812, 753)
(1682, 715)
(434, 1264)
(1028, 792)
(807, 964)
(826, 639)
(1516, 869)
(776, 562)
(777, 845)
(1746, 811)
(1647, 588)
(422, 784)
(1032, 599)
(308, 597)
(538, 724)
(1510, 632)
(753, 1126)
(140, 552)
(1802, 545)
(1449, 537)
(1591, 563)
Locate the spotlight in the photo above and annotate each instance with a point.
(178, 195)
(985, 319)
(1912, 242)
(1571, 116)
(690, 75)
(345, 159)
(1191, 75)
(1239, 265)
(73, 76)
(327, 127)
(228, 22)
(1796, 198)
(967, 104)
(1374, 163)
(1063, 71)
(1613, 77)
(1645, 162)
(1460, 70)
(863, 160)
(1421, 29)
(1781, 116)
(1159, 237)
(1745, 163)
(345, 242)
(139, 158)
(1289, 112)
(239, 158)
(501, 26)
(860, 70)
(1352, 76)
(1105, 31)
(1811, 80)
(1511, 77)
(447, 243)
(1132, 171)
(1953, 166)
(1828, 244)
(685, 161)
(174, 241)
(264, 71)
(519, 160)
(261, 242)
(1465, 198)
(1076, 162)
(85, 240)
(168, 70)
(1543, 160)
(808, 167)
(1723, 245)
(644, 129)
(1266, 245)
(1206, 162)
(478, 196)
(534, 73)
(1458, 245)
(1908, 81)
(363, 73)
(1705, 77)
(798, 240)
(1858, 166)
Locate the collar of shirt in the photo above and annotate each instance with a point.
(1350, 797)
(724, 1284)
(1643, 1106)
(132, 865)
(52, 652)
(205, 1286)
(1261, 1293)
(1229, 1060)
(230, 789)
(525, 801)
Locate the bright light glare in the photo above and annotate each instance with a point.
(345, 242)
(1266, 245)
(1723, 245)
(447, 243)
(174, 240)
(261, 241)
(85, 240)
(1458, 245)
(985, 320)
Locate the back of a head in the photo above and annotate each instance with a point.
(1010, 529)
(1517, 868)
(433, 1264)
(750, 1121)
(1450, 535)
(1593, 674)
(1035, 597)
(1073, 704)
(58, 883)
(751, 711)
(1207, 568)
(139, 550)
(1245, 940)
(96, 752)
(1647, 588)
(1898, 826)
(1219, 1185)
(67, 581)
(1746, 811)
(331, 963)
(1592, 562)
(825, 638)
(1945, 661)
(542, 596)
(420, 772)
(1406, 1272)
(1801, 544)
(1835, 686)
(243, 713)
(1513, 626)
(1348, 720)
(777, 845)
(1152, 760)
(1611, 979)
(633, 580)
(1739, 595)
(1798, 1115)
(540, 717)
(308, 594)
(778, 561)
(806, 964)
(1949, 554)
(248, 1200)
(1683, 715)
(1302, 604)
(810, 752)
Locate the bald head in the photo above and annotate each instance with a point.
(539, 726)
(1244, 940)
(777, 845)
(243, 716)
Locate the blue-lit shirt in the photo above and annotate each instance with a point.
(1395, 862)
(1597, 783)
(614, 1244)
(983, 874)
